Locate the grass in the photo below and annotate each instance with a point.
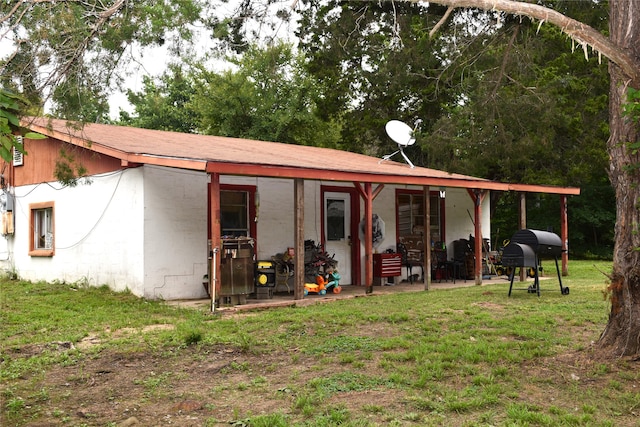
(467, 356)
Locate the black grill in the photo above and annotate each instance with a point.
(519, 255)
(526, 248)
(544, 243)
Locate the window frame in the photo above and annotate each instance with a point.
(418, 193)
(34, 250)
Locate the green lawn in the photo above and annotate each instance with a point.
(463, 357)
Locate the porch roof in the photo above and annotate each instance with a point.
(237, 156)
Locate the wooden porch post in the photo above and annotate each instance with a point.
(368, 238)
(426, 243)
(564, 234)
(522, 224)
(368, 194)
(298, 236)
(477, 196)
(216, 241)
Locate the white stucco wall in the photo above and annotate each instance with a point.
(175, 233)
(142, 229)
(460, 214)
(145, 229)
(97, 230)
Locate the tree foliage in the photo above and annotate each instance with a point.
(163, 103)
(268, 96)
(71, 54)
(12, 106)
(375, 62)
(532, 110)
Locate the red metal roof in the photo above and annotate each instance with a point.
(237, 156)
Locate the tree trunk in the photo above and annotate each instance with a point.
(622, 334)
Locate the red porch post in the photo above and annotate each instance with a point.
(214, 232)
(298, 235)
(522, 224)
(477, 196)
(426, 242)
(564, 234)
(368, 238)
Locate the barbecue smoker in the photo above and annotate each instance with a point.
(526, 249)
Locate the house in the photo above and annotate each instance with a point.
(157, 207)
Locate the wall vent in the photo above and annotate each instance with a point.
(18, 157)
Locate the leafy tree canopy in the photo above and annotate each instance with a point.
(268, 96)
(71, 54)
(163, 103)
(11, 108)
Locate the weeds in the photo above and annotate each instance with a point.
(468, 356)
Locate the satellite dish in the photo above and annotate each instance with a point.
(401, 134)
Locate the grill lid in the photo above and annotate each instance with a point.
(518, 255)
(543, 243)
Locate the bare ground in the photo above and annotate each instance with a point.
(216, 385)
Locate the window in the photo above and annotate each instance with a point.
(234, 213)
(42, 226)
(410, 211)
(335, 217)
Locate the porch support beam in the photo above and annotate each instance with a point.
(368, 194)
(298, 235)
(564, 234)
(368, 237)
(477, 196)
(426, 243)
(363, 192)
(522, 223)
(216, 240)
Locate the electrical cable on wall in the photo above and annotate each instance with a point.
(100, 218)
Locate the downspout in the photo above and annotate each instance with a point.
(214, 277)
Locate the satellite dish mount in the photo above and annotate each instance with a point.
(402, 135)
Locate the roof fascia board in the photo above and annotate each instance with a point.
(172, 162)
(345, 176)
(249, 169)
(78, 141)
(118, 154)
(533, 188)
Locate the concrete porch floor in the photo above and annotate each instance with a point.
(284, 299)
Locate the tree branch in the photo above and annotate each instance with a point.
(441, 21)
(581, 33)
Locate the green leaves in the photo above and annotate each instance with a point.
(269, 97)
(75, 53)
(10, 109)
(632, 107)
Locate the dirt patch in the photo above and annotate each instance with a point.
(489, 305)
(217, 385)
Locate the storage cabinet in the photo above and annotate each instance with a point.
(386, 266)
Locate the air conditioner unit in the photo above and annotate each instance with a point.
(18, 156)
